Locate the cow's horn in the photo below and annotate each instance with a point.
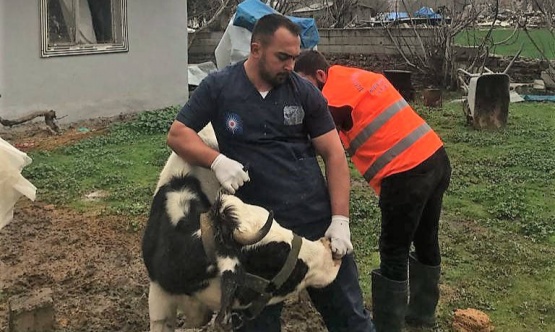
(262, 232)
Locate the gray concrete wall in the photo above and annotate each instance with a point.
(374, 41)
(153, 74)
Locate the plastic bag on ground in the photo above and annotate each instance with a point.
(12, 184)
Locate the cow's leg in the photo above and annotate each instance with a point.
(197, 313)
(162, 309)
(230, 273)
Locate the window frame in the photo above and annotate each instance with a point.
(81, 49)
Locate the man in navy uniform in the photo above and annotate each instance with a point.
(268, 117)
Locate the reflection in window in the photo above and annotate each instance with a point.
(83, 27)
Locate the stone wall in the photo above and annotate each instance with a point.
(372, 40)
(203, 47)
(376, 63)
(522, 71)
(334, 41)
(371, 49)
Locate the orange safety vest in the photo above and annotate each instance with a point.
(387, 135)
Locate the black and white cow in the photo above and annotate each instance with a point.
(246, 239)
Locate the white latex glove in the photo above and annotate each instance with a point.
(229, 172)
(340, 235)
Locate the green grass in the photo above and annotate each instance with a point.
(498, 227)
(544, 39)
(125, 164)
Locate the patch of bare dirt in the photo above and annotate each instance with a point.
(36, 136)
(94, 268)
(471, 320)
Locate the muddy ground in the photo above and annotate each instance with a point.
(92, 265)
(94, 269)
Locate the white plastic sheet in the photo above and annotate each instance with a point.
(234, 46)
(12, 184)
(197, 72)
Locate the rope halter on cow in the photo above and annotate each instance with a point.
(265, 288)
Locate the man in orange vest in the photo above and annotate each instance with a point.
(404, 161)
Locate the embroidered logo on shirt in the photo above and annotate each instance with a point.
(293, 115)
(233, 123)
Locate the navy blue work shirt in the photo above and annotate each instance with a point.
(272, 135)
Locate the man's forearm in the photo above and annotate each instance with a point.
(186, 143)
(338, 177)
(337, 171)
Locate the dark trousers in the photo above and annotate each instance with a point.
(410, 204)
(340, 304)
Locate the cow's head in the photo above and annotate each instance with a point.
(235, 225)
(250, 224)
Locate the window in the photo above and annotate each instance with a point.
(73, 27)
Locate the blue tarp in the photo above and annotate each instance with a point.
(392, 16)
(539, 98)
(427, 12)
(249, 11)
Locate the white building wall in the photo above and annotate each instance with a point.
(153, 74)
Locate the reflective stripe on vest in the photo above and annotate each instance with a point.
(396, 150)
(376, 124)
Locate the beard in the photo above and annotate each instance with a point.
(272, 79)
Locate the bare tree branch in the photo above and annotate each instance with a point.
(400, 50)
(49, 119)
(414, 27)
(224, 4)
(339, 13)
(513, 59)
(483, 48)
(538, 48)
(508, 38)
(547, 9)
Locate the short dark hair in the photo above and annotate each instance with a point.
(310, 61)
(267, 25)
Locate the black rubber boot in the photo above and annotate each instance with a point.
(424, 293)
(389, 303)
